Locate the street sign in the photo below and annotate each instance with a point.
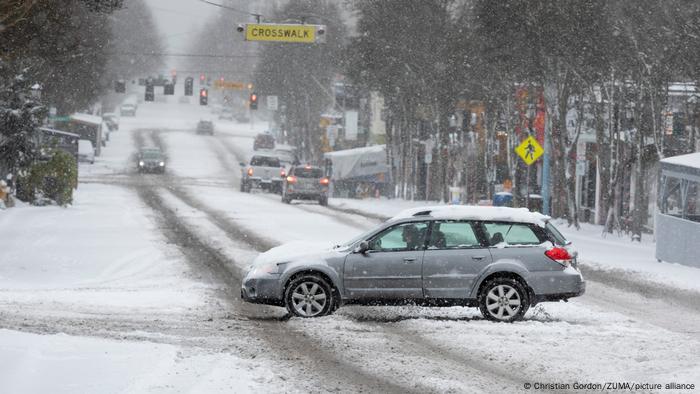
(529, 150)
(272, 103)
(285, 32)
(229, 85)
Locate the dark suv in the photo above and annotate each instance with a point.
(264, 141)
(305, 183)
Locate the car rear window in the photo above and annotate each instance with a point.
(511, 234)
(554, 234)
(301, 172)
(265, 138)
(264, 161)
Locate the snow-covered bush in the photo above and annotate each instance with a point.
(50, 182)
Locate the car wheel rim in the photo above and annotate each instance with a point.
(309, 299)
(503, 302)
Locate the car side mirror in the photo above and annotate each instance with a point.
(362, 247)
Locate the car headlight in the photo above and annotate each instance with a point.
(141, 163)
(162, 164)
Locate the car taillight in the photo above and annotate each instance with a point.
(560, 255)
(324, 181)
(291, 179)
(282, 173)
(250, 171)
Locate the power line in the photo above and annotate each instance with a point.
(258, 16)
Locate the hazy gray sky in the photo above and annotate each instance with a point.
(178, 21)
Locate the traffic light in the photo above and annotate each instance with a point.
(149, 93)
(253, 101)
(203, 96)
(189, 81)
(120, 86)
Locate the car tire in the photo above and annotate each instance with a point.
(503, 299)
(323, 201)
(309, 296)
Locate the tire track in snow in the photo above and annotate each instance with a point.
(327, 366)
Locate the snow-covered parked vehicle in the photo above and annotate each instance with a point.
(501, 260)
(264, 171)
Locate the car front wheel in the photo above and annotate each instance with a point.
(503, 300)
(309, 296)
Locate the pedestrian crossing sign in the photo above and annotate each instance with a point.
(529, 150)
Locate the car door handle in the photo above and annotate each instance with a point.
(478, 257)
(409, 260)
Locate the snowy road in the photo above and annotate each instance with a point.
(200, 232)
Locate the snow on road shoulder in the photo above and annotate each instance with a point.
(31, 363)
(101, 252)
(621, 255)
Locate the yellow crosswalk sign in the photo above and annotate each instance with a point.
(529, 150)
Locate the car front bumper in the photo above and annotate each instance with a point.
(262, 290)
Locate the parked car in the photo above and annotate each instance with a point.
(111, 120)
(264, 141)
(226, 113)
(128, 109)
(499, 259)
(205, 127)
(264, 171)
(86, 152)
(305, 183)
(151, 160)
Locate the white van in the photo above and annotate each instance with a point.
(86, 152)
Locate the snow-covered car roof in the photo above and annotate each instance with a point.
(469, 212)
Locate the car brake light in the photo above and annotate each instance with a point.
(291, 179)
(250, 171)
(324, 181)
(560, 255)
(282, 173)
(308, 166)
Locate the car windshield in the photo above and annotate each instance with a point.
(265, 161)
(151, 155)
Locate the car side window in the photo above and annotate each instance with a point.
(453, 235)
(403, 237)
(510, 234)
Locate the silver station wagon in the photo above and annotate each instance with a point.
(501, 260)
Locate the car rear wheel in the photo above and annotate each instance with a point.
(309, 296)
(503, 300)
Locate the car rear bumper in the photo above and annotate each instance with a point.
(557, 285)
(306, 196)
